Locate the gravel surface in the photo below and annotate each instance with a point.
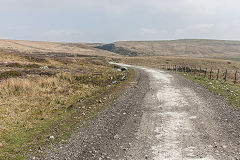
(164, 117)
(110, 134)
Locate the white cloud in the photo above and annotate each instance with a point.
(127, 19)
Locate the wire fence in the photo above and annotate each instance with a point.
(210, 73)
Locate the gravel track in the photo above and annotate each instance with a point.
(110, 134)
(163, 117)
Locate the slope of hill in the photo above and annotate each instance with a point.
(37, 47)
(184, 47)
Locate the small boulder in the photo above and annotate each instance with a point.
(123, 69)
(51, 137)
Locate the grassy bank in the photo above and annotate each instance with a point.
(40, 103)
(228, 90)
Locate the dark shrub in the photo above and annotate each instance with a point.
(32, 66)
(9, 74)
(16, 65)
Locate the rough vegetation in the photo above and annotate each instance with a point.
(38, 91)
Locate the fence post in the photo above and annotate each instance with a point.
(200, 70)
(235, 78)
(205, 73)
(210, 76)
(175, 68)
(225, 78)
(185, 69)
(218, 75)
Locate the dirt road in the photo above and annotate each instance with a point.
(161, 117)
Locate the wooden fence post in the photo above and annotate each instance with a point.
(210, 76)
(235, 78)
(225, 78)
(218, 75)
(200, 70)
(205, 73)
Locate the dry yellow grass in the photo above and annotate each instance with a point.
(32, 101)
(45, 47)
(8, 57)
(25, 102)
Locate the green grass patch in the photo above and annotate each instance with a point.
(230, 58)
(230, 92)
(18, 65)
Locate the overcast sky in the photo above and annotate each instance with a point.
(115, 20)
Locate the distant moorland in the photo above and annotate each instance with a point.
(184, 47)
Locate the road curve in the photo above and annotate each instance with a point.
(163, 116)
(184, 121)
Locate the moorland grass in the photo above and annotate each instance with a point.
(32, 107)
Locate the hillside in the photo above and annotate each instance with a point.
(185, 47)
(51, 48)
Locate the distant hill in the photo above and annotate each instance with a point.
(183, 47)
(38, 47)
